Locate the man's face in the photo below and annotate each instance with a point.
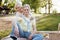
(26, 11)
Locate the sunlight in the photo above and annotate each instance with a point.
(55, 6)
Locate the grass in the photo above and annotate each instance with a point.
(48, 23)
(4, 33)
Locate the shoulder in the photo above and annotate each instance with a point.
(14, 20)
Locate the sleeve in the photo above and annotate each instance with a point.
(14, 21)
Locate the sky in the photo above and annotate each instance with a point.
(56, 6)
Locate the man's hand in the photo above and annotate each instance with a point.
(35, 32)
(30, 37)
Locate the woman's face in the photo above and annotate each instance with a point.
(17, 8)
(21, 9)
(26, 11)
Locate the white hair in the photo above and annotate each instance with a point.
(18, 3)
(27, 6)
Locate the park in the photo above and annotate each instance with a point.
(46, 12)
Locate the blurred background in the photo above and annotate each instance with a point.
(47, 13)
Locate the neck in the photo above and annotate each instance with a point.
(20, 12)
(27, 16)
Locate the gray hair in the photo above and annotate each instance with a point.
(18, 3)
(27, 6)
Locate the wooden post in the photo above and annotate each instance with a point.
(59, 27)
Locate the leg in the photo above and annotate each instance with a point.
(21, 33)
(37, 37)
(12, 34)
(26, 34)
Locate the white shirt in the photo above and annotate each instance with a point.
(23, 24)
(14, 21)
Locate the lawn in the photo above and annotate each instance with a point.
(48, 23)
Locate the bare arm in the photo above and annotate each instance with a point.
(34, 25)
(34, 29)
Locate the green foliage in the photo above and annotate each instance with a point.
(11, 5)
(35, 4)
(6, 1)
(0, 2)
(43, 3)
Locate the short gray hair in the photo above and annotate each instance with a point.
(27, 6)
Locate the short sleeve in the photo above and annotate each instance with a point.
(34, 21)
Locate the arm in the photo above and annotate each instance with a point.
(34, 29)
(14, 21)
(34, 25)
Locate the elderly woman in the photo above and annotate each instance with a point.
(15, 32)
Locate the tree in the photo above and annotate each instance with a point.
(44, 4)
(49, 5)
(34, 4)
(8, 6)
(0, 2)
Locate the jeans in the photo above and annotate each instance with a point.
(24, 34)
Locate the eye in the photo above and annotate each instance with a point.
(16, 8)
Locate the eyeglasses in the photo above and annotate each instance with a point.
(26, 9)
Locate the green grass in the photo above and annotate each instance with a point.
(4, 33)
(48, 23)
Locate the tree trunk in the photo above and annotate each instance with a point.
(0, 2)
(45, 9)
(35, 10)
(49, 6)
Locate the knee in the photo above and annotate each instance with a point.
(41, 36)
(38, 36)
